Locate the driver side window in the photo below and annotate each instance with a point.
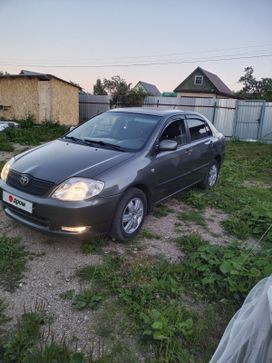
(175, 131)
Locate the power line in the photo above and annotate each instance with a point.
(146, 64)
(171, 54)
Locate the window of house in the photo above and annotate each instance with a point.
(198, 80)
(199, 129)
(175, 131)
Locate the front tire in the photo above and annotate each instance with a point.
(211, 177)
(129, 215)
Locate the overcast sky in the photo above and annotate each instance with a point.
(136, 35)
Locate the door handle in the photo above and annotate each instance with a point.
(209, 143)
(188, 151)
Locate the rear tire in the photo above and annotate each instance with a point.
(211, 177)
(129, 215)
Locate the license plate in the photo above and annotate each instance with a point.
(17, 202)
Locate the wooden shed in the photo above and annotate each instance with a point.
(43, 96)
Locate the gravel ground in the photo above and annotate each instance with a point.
(52, 269)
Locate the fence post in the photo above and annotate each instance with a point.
(260, 130)
(235, 117)
(214, 110)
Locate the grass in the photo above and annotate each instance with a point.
(249, 206)
(5, 146)
(149, 234)
(87, 298)
(12, 262)
(93, 245)
(181, 309)
(3, 320)
(161, 211)
(171, 312)
(236, 227)
(30, 134)
(192, 216)
(25, 344)
(2, 163)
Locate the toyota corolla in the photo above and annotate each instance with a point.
(105, 175)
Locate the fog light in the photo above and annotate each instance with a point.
(74, 229)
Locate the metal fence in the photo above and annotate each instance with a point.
(244, 120)
(90, 105)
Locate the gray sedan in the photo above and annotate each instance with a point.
(105, 175)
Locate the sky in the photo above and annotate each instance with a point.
(156, 41)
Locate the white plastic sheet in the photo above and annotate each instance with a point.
(248, 336)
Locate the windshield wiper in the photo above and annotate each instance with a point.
(104, 144)
(75, 139)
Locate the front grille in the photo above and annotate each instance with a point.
(35, 186)
(26, 216)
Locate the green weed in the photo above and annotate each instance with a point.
(12, 261)
(5, 145)
(68, 295)
(152, 297)
(192, 216)
(93, 245)
(19, 346)
(155, 294)
(2, 163)
(3, 319)
(149, 234)
(161, 211)
(252, 206)
(236, 228)
(87, 298)
(221, 273)
(30, 134)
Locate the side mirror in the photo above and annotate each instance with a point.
(168, 145)
(72, 128)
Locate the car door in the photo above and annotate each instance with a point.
(171, 169)
(201, 146)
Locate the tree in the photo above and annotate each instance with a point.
(99, 89)
(248, 81)
(136, 97)
(120, 92)
(254, 89)
(118, 88)
(265, 89)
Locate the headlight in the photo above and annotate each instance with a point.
(76, 189)
(5, 170)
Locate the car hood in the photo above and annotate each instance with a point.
(59, 160)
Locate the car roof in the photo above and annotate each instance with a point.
(156, 111)
(148, 111)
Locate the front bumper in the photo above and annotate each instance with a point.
(49, 214)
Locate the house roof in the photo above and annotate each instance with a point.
(150, 88)
(40, 76)
(219, 85)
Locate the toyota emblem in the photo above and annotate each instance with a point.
(24, 180)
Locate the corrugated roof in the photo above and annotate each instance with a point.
(40, 76)
(150, 88)
(219, 85)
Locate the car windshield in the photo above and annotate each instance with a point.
(121, 131)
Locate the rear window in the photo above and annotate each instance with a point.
(199, 129)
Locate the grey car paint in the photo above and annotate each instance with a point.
(158, 174)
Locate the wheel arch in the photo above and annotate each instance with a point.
(147, 193)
